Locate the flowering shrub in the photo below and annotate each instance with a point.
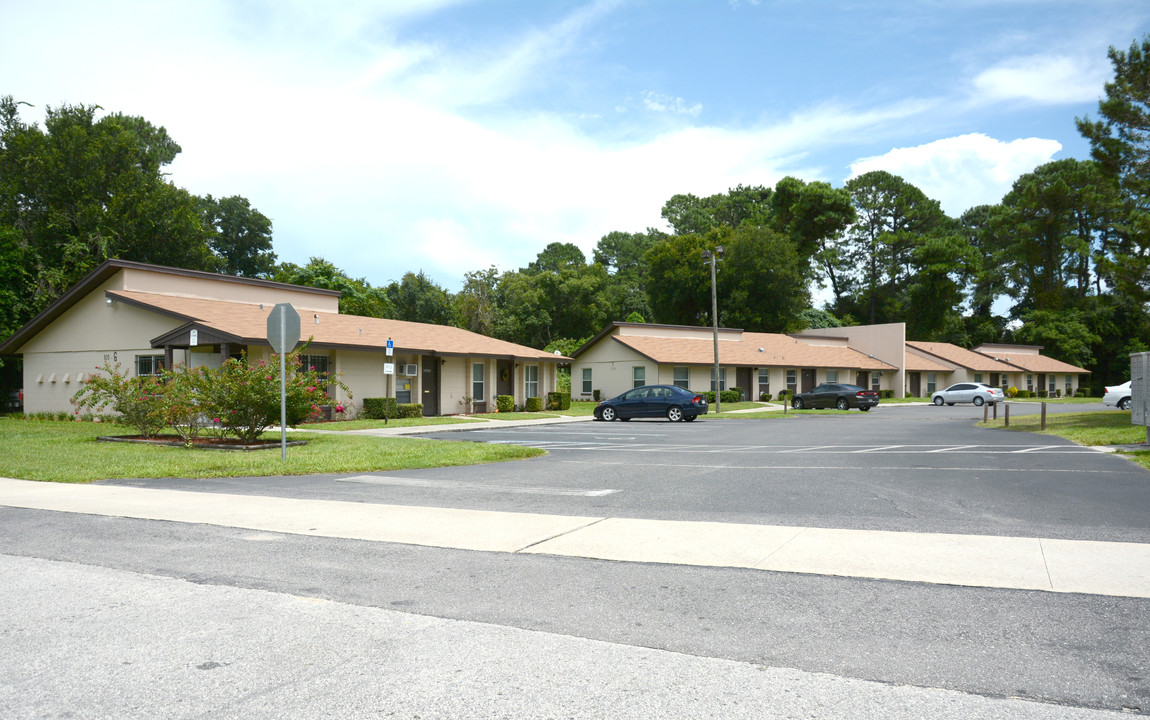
(241, 398)
(140, 402)
(245, 396)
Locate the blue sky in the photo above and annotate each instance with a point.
(448, 135)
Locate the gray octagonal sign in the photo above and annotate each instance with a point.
(283, 328)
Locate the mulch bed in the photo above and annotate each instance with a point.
(200, 443)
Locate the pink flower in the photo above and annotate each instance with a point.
(338, 408)
(312, 389)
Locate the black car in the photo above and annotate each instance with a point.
(836, 395)
(669, 401)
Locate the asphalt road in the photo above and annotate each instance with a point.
(937, 651)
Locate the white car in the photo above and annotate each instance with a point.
(1118, 396)
(969, 392)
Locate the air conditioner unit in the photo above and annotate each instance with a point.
(410, 369)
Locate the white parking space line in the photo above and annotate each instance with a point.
(448, 485)
(952, 448)
(877, 449)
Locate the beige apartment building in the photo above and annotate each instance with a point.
(146, 317)
(879, 357)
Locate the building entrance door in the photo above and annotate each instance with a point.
(808, 379)
(430, 385)
(915, 380)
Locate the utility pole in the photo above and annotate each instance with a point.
(714, 257)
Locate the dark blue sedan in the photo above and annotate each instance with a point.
(669, 401)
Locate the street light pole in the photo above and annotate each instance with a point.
(714, 258)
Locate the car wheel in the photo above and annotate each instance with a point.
(938, 401)
(1124, 404)
(950, 404)
(690, 418)
(978, 401)
(608, 413)
(842, 404)
(675, 413)
(864, 408)
(797, 403)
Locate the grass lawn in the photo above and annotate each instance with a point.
(68, 452)
(1109, 427)
(394, 422)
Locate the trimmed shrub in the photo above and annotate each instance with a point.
(380, 408)
(764, 397)
(1011, 391)
(558, 401)
(739, 390)
(595, 395)
(504, 403)
(1041, 393)
(886, 394)
(784, 394)
(534, 404)
(731, 396)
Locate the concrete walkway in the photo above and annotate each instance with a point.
(1099, 568)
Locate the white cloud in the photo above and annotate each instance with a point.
(1046, 79)
(657, 102)
(965, 171)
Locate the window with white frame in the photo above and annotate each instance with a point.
(587, 381)
(722, 379)
(477, 377)
(1030, 382)
(931, 383)
(1051, 384)
(638, 376)
(792, 379)
(978, 377)
(149, 365)
(832, 376)
(319, 363)
(682, 376)
(764, 380)
(875, 381)
(531, 380)
(1069, 386)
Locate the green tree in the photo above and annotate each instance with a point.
(357, 296)
(556, 257)
(417, 299)
(81, 190)
(814, 215)
(476, 305)
(241, 236)
(677, 282)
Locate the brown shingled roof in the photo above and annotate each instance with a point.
(961, 356)
(778, 351)
(918, 363)
(249, 322)
(1041, 364)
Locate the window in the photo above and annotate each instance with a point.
(147, 365)
(682, 377)
(764, 380)
(1051, 384)
(931, 383)
(477, 370)
(1069, 386)
(792, 382)
(1029, 382)
(587, 381)
(319, 363)
(875, 381)
(978, 377)
(638, 376)
(531, 380)
(832, 376)
(722, 379)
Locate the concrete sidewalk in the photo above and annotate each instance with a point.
(471, 424)
(1052, 565)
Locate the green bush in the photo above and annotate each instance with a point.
(1041, 393)
(559, 400)
(534, 404)
(764, 397)
(504, 403)
(784, 394)
(886, 394)
(736, 389)
(379, 408)
(731, 396)
(1011, 391)
(596, 395)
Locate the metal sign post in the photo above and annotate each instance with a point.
(283, 334)
(388, 370)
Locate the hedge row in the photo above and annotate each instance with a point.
(558, 401)
(379, 408)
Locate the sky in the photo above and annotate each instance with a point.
(448, 136)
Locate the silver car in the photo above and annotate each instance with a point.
(969, 392)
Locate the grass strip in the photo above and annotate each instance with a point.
(68, 452)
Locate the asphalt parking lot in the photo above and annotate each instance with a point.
(899, 468)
